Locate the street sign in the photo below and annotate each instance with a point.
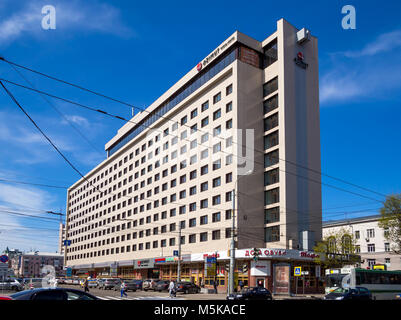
(67, 242)
(297, 271)
(4, 258)
(175, 253)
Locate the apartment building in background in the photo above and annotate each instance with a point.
(245, 118)
(370, 241)
(32, 264)
(61, 235)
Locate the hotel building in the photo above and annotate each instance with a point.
(245, 118)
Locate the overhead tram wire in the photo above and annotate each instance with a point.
(32, 184)
(163, 117)
(210, 147)
(27, 215)
(58, 111)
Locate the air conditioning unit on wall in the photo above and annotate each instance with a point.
(303, 36)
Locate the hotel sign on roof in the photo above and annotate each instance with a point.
(215, 53)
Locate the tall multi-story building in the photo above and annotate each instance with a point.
(61, 235)
(245, 118)
(370, 241)
(31, 264)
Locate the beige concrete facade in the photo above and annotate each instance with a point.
(130, 206)
(370, 241)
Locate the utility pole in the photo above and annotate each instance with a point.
(232, 249)
(179, 253)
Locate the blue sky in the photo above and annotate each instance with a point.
(137, 50)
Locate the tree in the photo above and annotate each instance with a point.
(390, 221)
(337, 249)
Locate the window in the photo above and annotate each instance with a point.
(204, 203)
(204, 154)
(271, 158)
(192, 238)
(204, 186)
(217, 98)
(271, 177)
(229, 89)
(272, 215)
(229, 106)
(217, 114)
(357, 234)
(357, 249)
(272, 196)
(205, 122)
(205, 106)
(216, 164)
(194, 113)
(194, 128)
(216, 182)
(229, 177)
(270, 53)
(216, 131)
(387, 247)
(270, 104)
(192, 222)
(203, 220)
(272, 234)
(216, 200)
(216, 217)
(271, 122)
(271, 140)
(370, 233)
(204, 170)
(217, 147)
(229, 124)
(203, 237)
(184, 120)
(371, 247)
(192, 175)
(216, 235)
(270, 86)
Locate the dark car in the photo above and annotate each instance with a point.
(51, 294)
(138, 284)
(131, 285)
(162, 285)
(252, 293)
(109, 283)
(357, 293)
(187, 287)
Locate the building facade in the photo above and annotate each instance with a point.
(370, 241)
(61, 235)
(238, 130)
(31, 264)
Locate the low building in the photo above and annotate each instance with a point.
(370, 241)
(31, 264)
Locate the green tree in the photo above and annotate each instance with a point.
(337, 249)
(390, 221)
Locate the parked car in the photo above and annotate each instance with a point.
(187, 287)
(92, 283)
(252, 293)
(138, 284)
(51, 294)
(11, 284)
(109, 284)
(357, 293)
(35, 283)
(162, 285)
(131, 285)
(149, 284)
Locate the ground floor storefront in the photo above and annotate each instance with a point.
(280, 271)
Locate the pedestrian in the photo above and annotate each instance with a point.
(123, 289)
(86, 285)
(241, 285)
(171, 289)
(215, 284)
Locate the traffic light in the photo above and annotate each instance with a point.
(255, 254)
(245, 268)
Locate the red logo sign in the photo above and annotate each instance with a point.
(300, 56)
(199, 66)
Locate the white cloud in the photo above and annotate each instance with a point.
(363, 74)
(81, 121)
(383, 43)
(82, 16)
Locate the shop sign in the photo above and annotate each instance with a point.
(142, 264)
(160, 260)
(266, 253)
(260, 268)
(214, 54)
(306, 254)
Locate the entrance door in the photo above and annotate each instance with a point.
(281, 276)
(260, 282)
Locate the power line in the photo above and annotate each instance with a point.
(163, 117)
(58, 111)
(33, 184)
(210, 147)
(27, 215)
